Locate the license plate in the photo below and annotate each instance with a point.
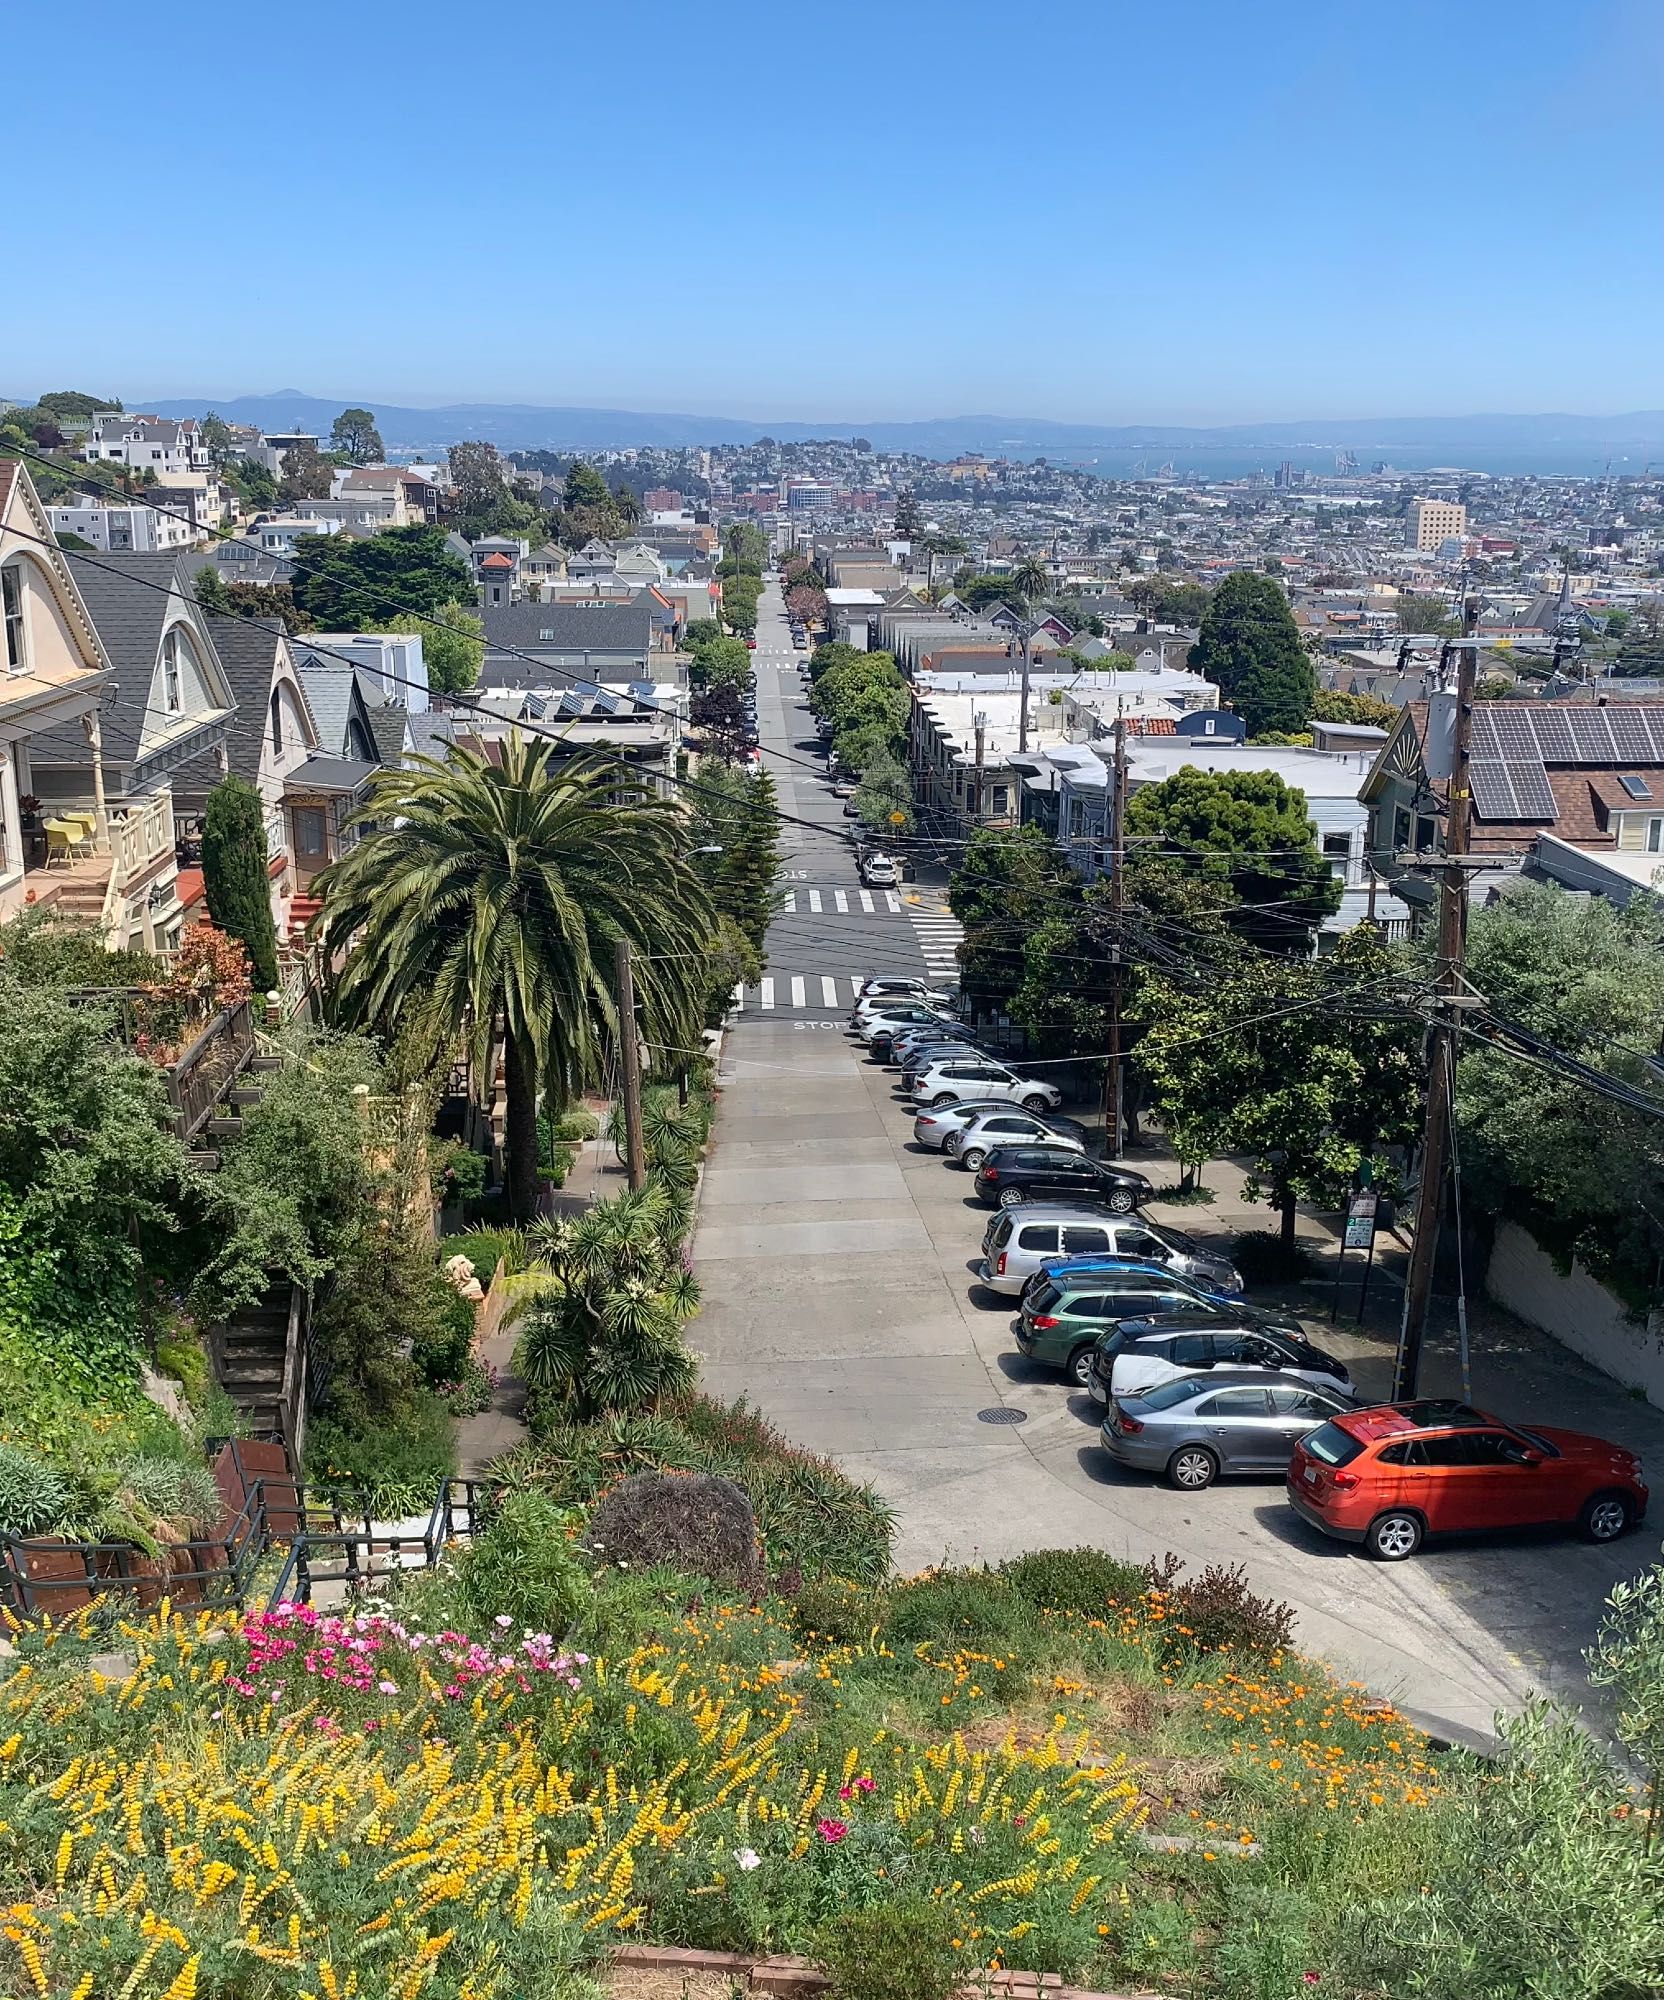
(1310, 1475)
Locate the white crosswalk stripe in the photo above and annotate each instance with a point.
(824, 901)
(939, 934)
(767, 994)
(797, 989)
(829, 989)
(800, 992)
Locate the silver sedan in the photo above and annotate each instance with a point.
(1006, 1125)
(933, 1128)
(1199, 1427)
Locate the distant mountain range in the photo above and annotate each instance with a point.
(529, 426)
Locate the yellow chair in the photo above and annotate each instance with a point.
(85, 824)
(60, 841)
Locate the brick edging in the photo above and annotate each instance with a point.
(802, 1978)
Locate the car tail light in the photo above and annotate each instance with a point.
(1130, 1426)
(1045, 1320)
(989, 1174)
(926, 1119)
(1343, 1482)
(999, 1268)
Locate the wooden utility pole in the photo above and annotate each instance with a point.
(629, 1065)
(981, 732)
(1022, 700)
(1441, 1064)
(1113, 1085)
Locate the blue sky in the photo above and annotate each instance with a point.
(1198, 212)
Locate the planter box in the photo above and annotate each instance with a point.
(801, 1976)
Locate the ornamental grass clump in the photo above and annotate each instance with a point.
(693, 1521)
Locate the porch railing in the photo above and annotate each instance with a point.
(140, 837)
(208, 1067)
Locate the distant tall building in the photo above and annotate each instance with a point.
(1435, 521)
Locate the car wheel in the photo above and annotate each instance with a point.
(1120, 1201)
(1605, 1516)
(1035, 1102)
(973, 1157)
(942, 1097)
(1079, 1370)
(1392, 1537)
(1191, 1468)
(1012, 1197)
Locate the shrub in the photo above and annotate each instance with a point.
(900, 1947)
(471, 1391)
(842, 1613)
(524, 1566)
(816, 1520)
(1083, 1580)
(34, 1498)
(441, 1348)
(957, 1605)
(696, 1521)
(1260, 1257)
(181, 1356)
(1217, 1612)
(483, 1248)
(180, 1494)
(392, 1467)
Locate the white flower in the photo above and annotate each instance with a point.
(748, 1858)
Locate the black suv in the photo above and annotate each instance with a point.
(1014, 1174)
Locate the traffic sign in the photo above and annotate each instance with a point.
(898, 819)
(1360, 1220)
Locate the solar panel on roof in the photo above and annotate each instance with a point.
(572, 704)
(1507, 735)
(1592, 734)
(1493, 793)
(1554, 736)
(1531, 791)
(1630, 733)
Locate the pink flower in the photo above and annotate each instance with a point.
(831, 1831)
(865, 1785)
(846, 1791)
(387, 1687)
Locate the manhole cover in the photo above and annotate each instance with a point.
(1002, 1413)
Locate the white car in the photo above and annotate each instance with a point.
(902, 989)
(878, 871)
(909, 1014)
(955, 1079)
(1185, 1345)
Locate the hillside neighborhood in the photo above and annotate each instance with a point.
(785, 1217)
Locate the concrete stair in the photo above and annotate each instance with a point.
(248, 1354)
(302, 909)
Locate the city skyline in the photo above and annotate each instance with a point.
(1106, 219)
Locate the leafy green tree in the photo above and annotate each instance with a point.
(1008, 882)
(256, 488)
(86, 1141)
(1245, 831)
(909, 521)
(1296, 1062)
(216, 434)
(1584, 1175)
(1250, 648)
(348, 585)
(700, 632)
(453, 644)
(721, 662)
(477, 477)
(307, 475)
(585, 488)
(250, 600)
(861, 692)
(746, 547)
(487, 901)
(1169, 600)
(234, 874)
(1330, 706)
(355, 437)
(886, 789)
(1425, 616)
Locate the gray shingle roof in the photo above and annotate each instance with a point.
(249, 650)
(559, 630)
(126, 598)
(336, 692)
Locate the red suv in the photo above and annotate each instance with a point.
(1392, 1475)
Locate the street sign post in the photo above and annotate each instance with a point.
(1358, 1234)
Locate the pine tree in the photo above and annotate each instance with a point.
(1250, 647)
(234, 874)
(745, 884)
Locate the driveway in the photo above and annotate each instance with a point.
(836, 1261)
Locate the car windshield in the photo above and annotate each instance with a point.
(1331, 1444)
(1175, 1239)
(1165, 1394)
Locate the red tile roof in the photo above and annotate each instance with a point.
(496, 562)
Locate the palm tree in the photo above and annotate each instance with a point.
(1031, 579)
(627, 505)
(488, 900)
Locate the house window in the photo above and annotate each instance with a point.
(1655, 836)
(1426, 834)
(173, 695)
(1400, 830)
(311, 833)
(277, 723)
(1337, 846)
(11, 599)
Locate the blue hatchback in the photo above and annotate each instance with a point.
(1201, 1288)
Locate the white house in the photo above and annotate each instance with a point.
(279, 534)
(171, 448)
(124, 530)
(393, 660)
